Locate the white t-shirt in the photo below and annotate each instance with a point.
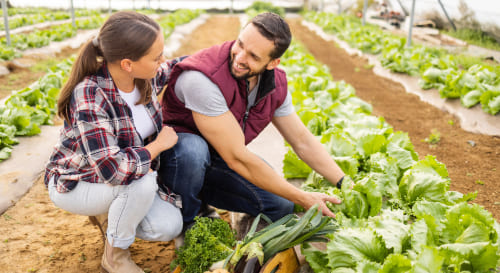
(142, 120)
(200, 94)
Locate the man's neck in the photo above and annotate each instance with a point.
(252, 82)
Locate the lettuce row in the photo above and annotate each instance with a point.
(397, 214)
(473, 84)
(31, 19)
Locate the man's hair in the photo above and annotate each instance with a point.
(275, 29)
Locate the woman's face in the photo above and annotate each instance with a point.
(147, 66)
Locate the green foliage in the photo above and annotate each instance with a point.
(206, 242)
(433, 138)
(454, 76)
(178, 17)
(39, 38)
(261, 6)
(280, 235)
(475, 37)
(30, 19)
(397, 214)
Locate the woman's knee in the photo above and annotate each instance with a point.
(170, 230)
(163, 222)
(144, 187)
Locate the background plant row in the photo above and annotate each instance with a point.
(455, 76)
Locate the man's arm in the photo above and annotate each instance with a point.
(308, 147)
(224, 134)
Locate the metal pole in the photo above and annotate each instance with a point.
(365, 7)
(403, 8)
(231, 7)
(109, 7)
(408, 41)
(447, 16)
(73, 22)
(6, 21)
(149, 4)
(340, 6)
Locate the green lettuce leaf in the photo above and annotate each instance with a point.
(348, 247)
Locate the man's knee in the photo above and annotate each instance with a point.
(193, 150)
(279, 208)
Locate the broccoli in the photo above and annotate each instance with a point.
(209, 240)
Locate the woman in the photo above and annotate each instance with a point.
(106, 157)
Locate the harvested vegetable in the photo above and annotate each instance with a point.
(209, 240)
(285, 233)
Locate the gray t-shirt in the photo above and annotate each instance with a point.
(200, 94)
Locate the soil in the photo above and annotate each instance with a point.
(38, 237)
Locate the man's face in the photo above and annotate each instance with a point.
(250, 54)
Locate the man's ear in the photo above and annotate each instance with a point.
(126, 65)
(273, 64)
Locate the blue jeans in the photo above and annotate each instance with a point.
(197, 173)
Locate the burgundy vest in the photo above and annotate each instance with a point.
(214, 62)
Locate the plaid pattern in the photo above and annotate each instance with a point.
(101, 144)
(170, 197)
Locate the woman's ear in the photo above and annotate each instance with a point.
(126, 65)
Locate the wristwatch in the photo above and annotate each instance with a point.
(339, 184)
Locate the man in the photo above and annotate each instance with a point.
(218, 100)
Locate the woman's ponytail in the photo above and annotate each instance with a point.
(86, 64)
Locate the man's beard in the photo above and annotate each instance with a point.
(247, 75)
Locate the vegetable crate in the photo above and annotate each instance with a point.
(283, 262)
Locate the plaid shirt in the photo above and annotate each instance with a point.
(101, 144)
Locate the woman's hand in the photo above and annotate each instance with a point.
(165, 140)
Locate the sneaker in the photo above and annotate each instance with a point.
(208, 211)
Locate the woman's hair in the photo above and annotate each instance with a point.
(124, 35)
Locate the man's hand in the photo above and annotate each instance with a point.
(313, 198)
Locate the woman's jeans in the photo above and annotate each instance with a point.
(134, 210)
(191, 170)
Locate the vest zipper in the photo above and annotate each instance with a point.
(247, 111)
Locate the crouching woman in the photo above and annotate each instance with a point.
(106, 158)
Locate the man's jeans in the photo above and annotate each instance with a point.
(191, 170)
(134, 210)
